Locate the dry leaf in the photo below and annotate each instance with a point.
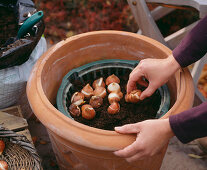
(69, 34)
(2, 146)
(195, 156)
(34, 139)
(43, 142)
(51, 41)
(52, 163)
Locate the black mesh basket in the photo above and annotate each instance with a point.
(102, 68)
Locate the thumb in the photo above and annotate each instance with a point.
(130, 128)
(147, 92)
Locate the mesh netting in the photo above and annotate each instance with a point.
(19, 153)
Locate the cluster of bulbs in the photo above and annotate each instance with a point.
(97, 93)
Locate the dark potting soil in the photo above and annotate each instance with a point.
(129, 113)
(8, 24)
(15, 44)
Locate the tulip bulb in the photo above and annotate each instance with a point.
(98, 83)
(100, 91)
(114, 97)
(112, 79)
(74, 110)
(77, 96)
(87, 91)
(3, 165)
(133, 96)
(96, 101)
(113, 108)
(113, 87)
(88, 112)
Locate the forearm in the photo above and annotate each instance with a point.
(190, 124)
(193, 46)
(172, 65)
(168, 129)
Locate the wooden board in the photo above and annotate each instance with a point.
(11, 122)
(14, 110)
(12, 119)
(26, 133)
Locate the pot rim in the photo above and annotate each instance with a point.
(35, 81)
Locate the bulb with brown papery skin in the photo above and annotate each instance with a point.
(113, 108)
(100, 91)
(112, 79)
(113, 87)
(96, 101)
(120, 94)
(87, 91)
(79, 102)
(74, 110)
(2, 146)
(114, 97)
(77, 96)
(133, 96)
(98, 83)
(88, 112)
(3, 165)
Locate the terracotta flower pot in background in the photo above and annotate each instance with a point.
(79, 146)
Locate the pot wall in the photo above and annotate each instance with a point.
(79, 146)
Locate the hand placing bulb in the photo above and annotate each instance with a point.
(133, 96)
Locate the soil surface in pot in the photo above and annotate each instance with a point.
(129, 112)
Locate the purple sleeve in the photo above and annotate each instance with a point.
(193, 46)
(190, 124)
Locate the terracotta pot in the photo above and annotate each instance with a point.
(78, 146)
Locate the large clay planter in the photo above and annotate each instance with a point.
(78, 146)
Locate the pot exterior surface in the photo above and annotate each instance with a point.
(78, 146)
(71, 156)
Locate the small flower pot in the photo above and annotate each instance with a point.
(78, 146)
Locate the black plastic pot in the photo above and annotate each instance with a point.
(98, 69)
(13, 13)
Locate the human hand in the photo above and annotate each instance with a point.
(156, 71)
(152, 135)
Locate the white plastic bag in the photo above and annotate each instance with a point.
(13, 79)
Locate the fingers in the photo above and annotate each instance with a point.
(142, 82)
(131, 85)
(127, 151)
(148, 91)
(138, 156)
(131, 149)
(130, 128)
(134, 77)
(132, 152)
